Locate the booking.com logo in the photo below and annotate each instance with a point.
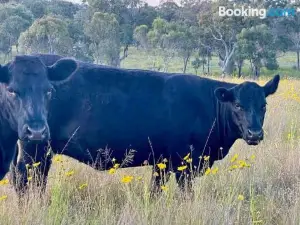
(255, 12)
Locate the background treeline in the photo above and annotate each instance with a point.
(192, 36)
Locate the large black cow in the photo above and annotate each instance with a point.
(85, 107)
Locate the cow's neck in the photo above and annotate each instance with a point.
(7, 108)
(227, 132)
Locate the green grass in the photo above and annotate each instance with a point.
(142, 59)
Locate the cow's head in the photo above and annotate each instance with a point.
(29, 84)
(247, 107)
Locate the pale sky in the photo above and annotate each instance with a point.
(152, 2)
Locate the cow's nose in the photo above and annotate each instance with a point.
(255, 133)
(36, 134)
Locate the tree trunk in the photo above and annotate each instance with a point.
(298, 59)
(185, 62)
(240, 66)
(125, 53)
(228, 67)
(208, 65)
(256, 72)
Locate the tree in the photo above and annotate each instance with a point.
(171, 38)
(81, 42)
(145, 15)
(169, 11)
(12, 27)
(289, 27)
(140, 36)
(257, 45)
(181, 39)
(47, 35)
(15, 19)
(222, 31)
(37, 7)
(104, 33)
(63, 8)
(12, 9)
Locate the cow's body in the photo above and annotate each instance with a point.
(155, 114)
(141, 110)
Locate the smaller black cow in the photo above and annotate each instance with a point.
(82, 107)
(9, 116)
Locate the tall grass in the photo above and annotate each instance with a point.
(265, 192)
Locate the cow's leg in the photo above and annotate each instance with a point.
(178, 150)
(159, 179)
(32, 165)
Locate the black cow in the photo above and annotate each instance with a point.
(156, 114)
(8, 123)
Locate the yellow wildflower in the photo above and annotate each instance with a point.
(127, 179)
(4, 181)
(215, 170)
(36, 164)
(111, 170)
(164, 188)
(29, 178)
(241, 197)
(57, 158)
(252, 157)
(233, 167)
(117, 165)
(161, 166)
(3, 197)
(82, 186)
(243, 164)
(187, 156)
(181, 168)
(234, 158)
(139, 178)
(70, 173)
(206, 158)
(207, 171)
(189, 160)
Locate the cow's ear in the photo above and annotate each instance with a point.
(61, 70)
(224, 95)
(4, 75)
(271, 87)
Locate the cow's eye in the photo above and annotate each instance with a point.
(238, 106)
(11, 92)
(49, 93)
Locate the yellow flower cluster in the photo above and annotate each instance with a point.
(239, 164)
(126, 179)
(115, 167)
(4, 182)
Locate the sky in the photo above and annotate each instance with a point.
(152, 2)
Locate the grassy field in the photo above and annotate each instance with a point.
(266, 192)
(141, 59)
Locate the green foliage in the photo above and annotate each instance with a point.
(192, 29)
(47, 35)
(140, 35)
(10, 9)
(257, 45)
(104, 33)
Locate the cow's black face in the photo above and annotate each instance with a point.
(29, 87)
(247, 107)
